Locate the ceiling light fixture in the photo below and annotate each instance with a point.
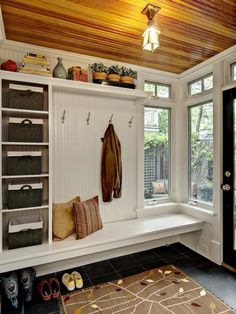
(151, 35)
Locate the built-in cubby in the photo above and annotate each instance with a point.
(25, 153)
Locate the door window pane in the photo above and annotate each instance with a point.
(201, 152)
(156, 153)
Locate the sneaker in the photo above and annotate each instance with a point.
(77, 279)
(10, 286)
(27, 280)
(68, 281)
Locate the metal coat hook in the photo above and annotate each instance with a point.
(110, 121)
(63, 116)
(88, 119)
(131, 121)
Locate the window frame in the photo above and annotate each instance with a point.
(232, 66)
(190, 200)
(154, 201)
(201, 79)
(160, 84)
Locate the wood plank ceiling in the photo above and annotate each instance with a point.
(192, 30)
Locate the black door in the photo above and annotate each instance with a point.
(229, 176)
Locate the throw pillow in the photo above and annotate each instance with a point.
(63, 220)
(159, 187)
(87, 217)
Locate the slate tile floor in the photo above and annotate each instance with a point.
(216, 279)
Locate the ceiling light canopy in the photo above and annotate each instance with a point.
(151, 35)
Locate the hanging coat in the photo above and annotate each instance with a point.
(111, 166)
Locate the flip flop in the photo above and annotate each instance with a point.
(55, 287)
(44, 290)
(68, 281)
(77, 279)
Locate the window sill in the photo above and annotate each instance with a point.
(198, 211)
(158, 208)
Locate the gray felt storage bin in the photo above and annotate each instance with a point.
(24, 231)
(24, 163)
(25, 97)
(25, 130)
(24, 195)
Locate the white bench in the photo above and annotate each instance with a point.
(115, 239)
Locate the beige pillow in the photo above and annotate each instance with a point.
(159, 187)
(63, 220)
(87, 217)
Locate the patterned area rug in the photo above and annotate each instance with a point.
(163, 290)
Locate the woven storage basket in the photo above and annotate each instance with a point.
(25, 97)
(24, 231)
(23, 163)
(25, 130)
(24, 195)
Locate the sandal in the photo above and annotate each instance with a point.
(68, 281)
(10, 286)
(55, 287)
(77, 279)
(44, 290)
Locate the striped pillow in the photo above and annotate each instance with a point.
(87, 217)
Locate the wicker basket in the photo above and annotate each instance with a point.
(25, 97)
(25, 231)
(24, 163)
(25, 130)
(24, 195)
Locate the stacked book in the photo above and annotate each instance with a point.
(35, 64)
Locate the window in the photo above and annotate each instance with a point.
(156, 152)
(200, 85)
(158, 89)
(201, 152)
(233, 71)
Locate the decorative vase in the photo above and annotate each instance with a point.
(113, 77)
(99, 75)
(59, 71)
(127, 79)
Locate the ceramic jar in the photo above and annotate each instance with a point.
(59, 71)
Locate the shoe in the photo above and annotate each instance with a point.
(55, 287)
(10, 286)
(77, 279)
(44, 290)
(68, 281)
(27, 280)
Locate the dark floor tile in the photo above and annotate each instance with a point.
(99, 269)
(131, 271)
(124, 262)
(180, 261)
(196, 258)
(180, 247)
(39, 307)
(166, 251)
(146, 257)
(106, 278)
(152, 265)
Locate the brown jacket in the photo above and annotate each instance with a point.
(111, 165)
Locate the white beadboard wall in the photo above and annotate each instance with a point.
(78, 147)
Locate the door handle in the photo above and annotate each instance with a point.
(225, 187)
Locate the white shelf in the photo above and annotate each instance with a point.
(25, 143)
(42, 175)
(6, 210)
(139, 96)
(20, 112)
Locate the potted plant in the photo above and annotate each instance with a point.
(99, 71)
(128, 75)
(114, 73)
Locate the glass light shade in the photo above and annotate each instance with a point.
(151, 39)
